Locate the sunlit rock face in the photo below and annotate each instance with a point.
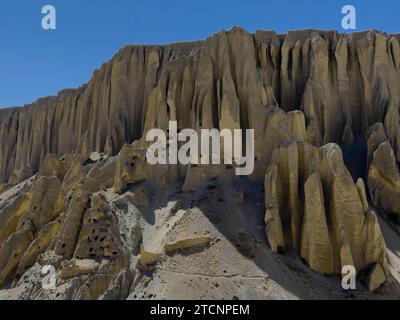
(78, 194)
(314, 206)
(342, 83)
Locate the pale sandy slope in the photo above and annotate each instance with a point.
(236, 263)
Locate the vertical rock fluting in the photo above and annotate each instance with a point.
(343, 84)
(383, 173)
(314, 206)
(299, 92)
(100, 116)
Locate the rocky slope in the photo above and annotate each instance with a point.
(79, 195)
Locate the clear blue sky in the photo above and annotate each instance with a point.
(36, 63)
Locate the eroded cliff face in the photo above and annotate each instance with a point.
(314, 207)
(342, 83)
(92, 207)
(100, 116)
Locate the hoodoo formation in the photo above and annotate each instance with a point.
(79, 195)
